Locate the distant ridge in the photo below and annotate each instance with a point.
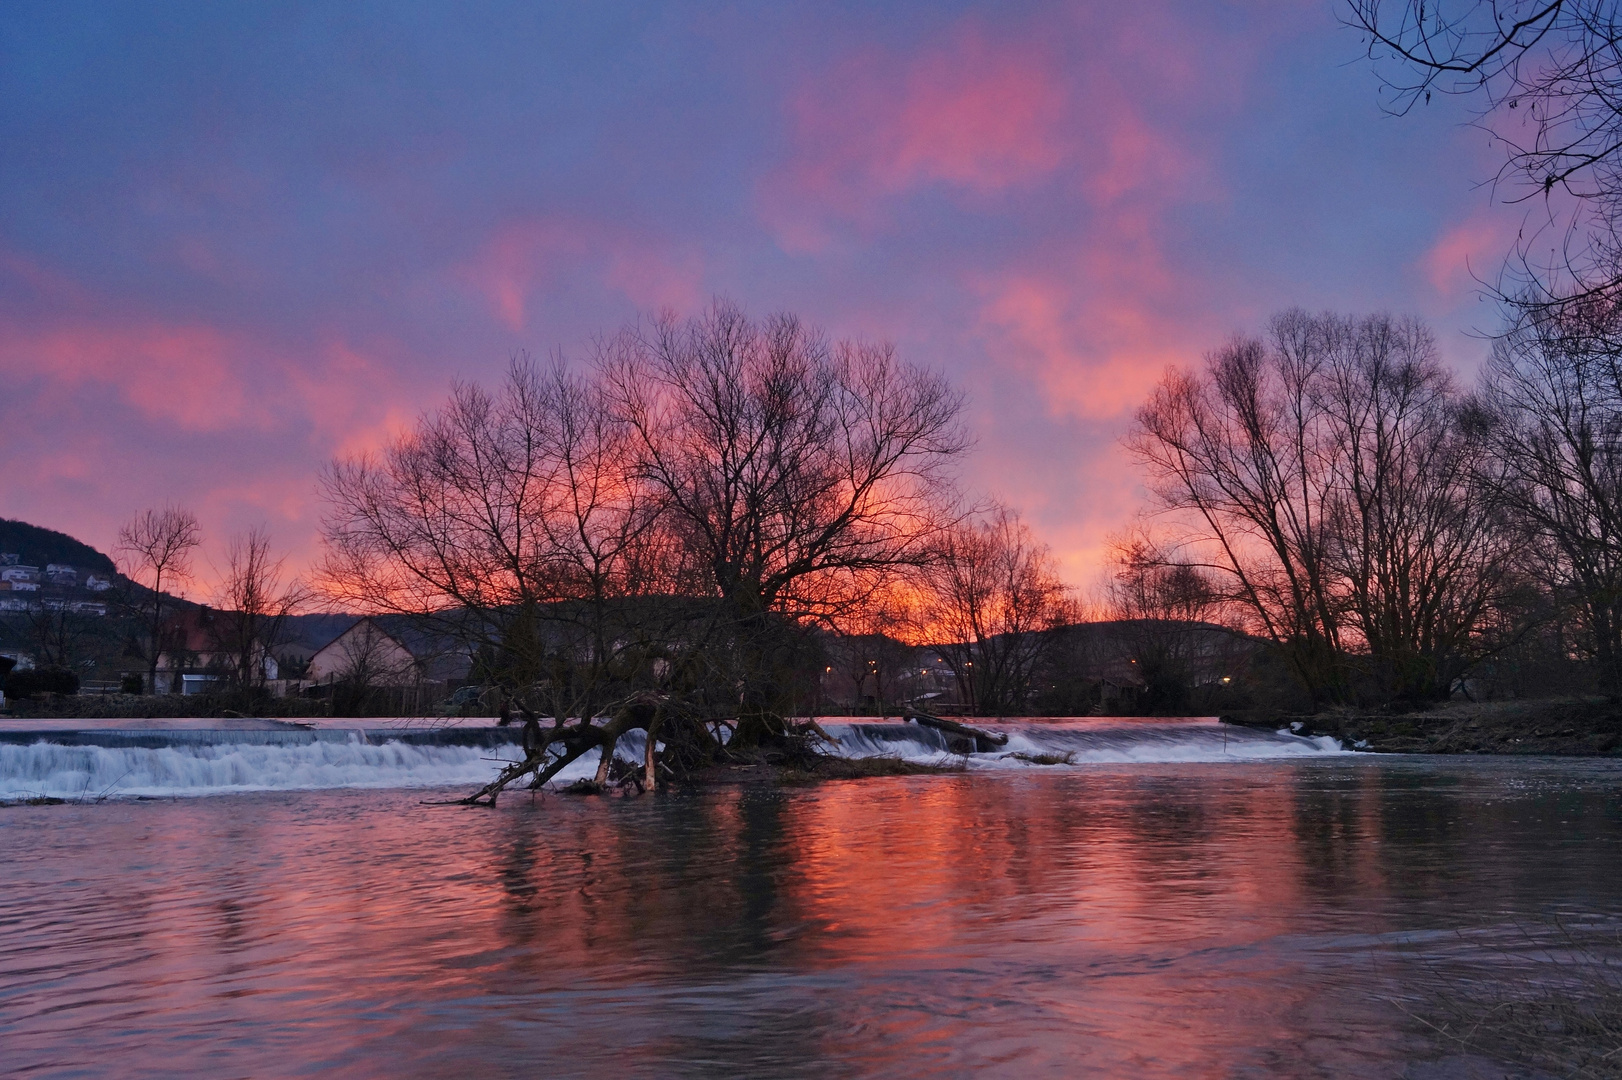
(40, 547)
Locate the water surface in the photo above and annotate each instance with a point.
(1269, 918)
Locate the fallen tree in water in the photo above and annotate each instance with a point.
(961, 738)
(696, 750)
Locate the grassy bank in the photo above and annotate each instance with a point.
(1586, 727)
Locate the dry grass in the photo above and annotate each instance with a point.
(1563, 1018)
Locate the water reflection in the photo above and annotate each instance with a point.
(1190, 920)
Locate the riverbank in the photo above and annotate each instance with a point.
(1578, 727)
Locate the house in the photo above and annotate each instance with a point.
(62, 574)
(19, 574)
(389, 651)
(200, 650)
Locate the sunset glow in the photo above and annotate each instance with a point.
(232, 251)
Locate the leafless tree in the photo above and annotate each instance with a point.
(1547, 75)
(254, 599)
(799, 476)
(1235, 452)
(1168, 615)
(644, 540)
(514, 520)
(873, 644)
(155, 550)
(1422, 549)
(1553, 395)
(991, 598)
(1557, 64)
(62, 630)
(1326, 475)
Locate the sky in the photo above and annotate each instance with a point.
(239, 240)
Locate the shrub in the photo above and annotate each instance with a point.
(131, 684)
(25, 684)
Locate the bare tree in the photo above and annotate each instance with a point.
(1553, 394)
(254, 599)
(873, 644)
(992, 597)
(1421, 548)
(63, 631)
(1556, 63)
(515, 521)
(1547, 76)
(155, 550)
(648, 542)
(1235, 452)
(799, 476)
(1169, 616)
(1328, 477)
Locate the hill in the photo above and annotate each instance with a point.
(41, 547)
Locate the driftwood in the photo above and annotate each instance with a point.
(961, 738)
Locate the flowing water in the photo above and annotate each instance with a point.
(1181, 900)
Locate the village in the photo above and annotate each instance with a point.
(80, 623)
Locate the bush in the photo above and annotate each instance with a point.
(25, 684)
(131, 684)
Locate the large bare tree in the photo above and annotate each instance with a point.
(1553, 392)
(1420, 547)
(644, 542)
(155, 550)
(514, 520)
(797, 474)
(1327, 475)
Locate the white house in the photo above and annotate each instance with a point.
(388, 651)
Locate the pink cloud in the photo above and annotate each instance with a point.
(183, 374)
(1094, 356)
(982, 116)
(976, 115)
(523, 258)
(1468, 252)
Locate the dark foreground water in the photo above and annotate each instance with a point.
(1287, 918)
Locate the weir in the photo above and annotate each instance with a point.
(150, 760)
(1083, 741)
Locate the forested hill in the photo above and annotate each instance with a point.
(41, 547)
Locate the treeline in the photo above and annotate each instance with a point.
(1329, 488)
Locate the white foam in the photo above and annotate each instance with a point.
(72, 772)
(1101, 743)
(197, 767)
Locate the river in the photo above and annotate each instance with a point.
(1283, 912)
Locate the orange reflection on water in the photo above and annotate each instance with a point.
(1181, 920)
